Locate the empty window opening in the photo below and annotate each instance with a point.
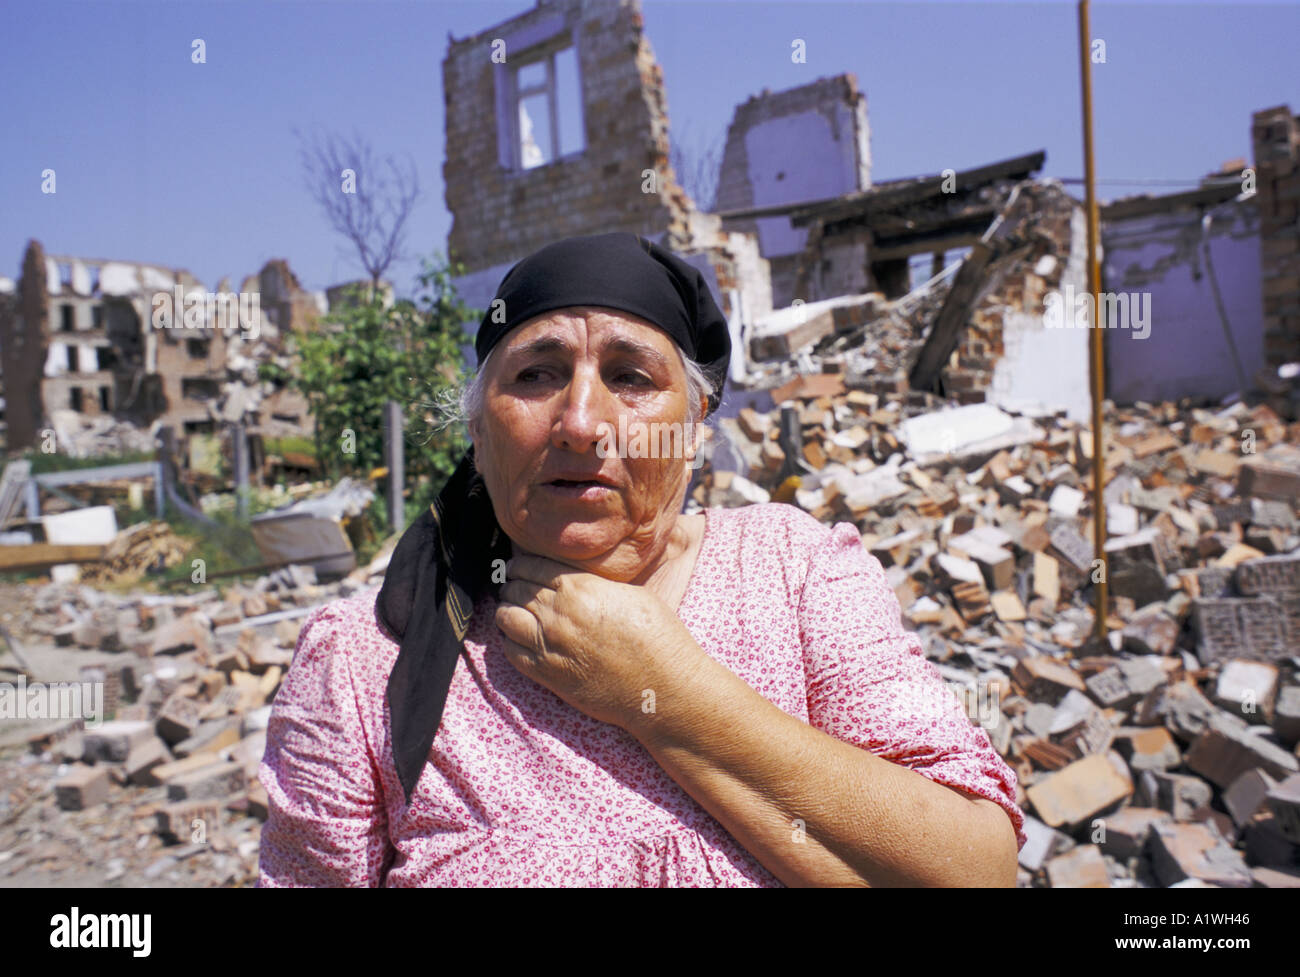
(198, 388)
(548, 108)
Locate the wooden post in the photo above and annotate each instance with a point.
(1097, 360)
(790, 438)
(394, 459)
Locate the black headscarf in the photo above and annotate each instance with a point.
(440, 567)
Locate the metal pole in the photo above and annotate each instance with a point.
(241, 470)
(1097, 337)
(159, 476)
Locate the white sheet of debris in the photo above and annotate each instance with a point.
(968, 430)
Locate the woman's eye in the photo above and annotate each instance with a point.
(633, 379)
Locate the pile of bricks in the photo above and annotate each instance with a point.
(188, 685)
(1165, 754)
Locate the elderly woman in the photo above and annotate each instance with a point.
(566, 681)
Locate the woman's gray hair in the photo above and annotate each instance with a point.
(470, 399)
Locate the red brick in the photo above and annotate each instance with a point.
(178, 718)
(1247, 795)
(1084, 788)
(1284, 802)
(1125, 831)
(84, 787)
(1195, 851)
(214, 780)
(1080, 868)
(1226, 750)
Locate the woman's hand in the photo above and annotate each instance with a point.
(612, 650)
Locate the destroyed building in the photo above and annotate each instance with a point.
(1276, 138)
(557, 125)
(139, 346)
(814, 264)
(1193, 260)
(765, 164)
(944, 419)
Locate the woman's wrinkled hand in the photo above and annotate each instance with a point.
(609, 649)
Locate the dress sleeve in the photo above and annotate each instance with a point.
(870, 684)
(326, 823)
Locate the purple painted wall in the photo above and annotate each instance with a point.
(1186, 353)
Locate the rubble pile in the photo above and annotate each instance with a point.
(1165, 754)
(165, 792)
(80, 435)
(972, 316)
(135, 551)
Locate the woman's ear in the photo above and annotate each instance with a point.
(472, 425)
(699, 434)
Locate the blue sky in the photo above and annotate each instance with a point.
(196, 166)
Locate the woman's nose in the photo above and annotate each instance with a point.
(583, 413)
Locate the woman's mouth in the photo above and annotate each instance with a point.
(578, 488)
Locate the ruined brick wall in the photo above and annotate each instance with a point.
(1006, 334)
(1275, 133)
(806, 143)
(286, 306)
(500, 211)
(23, 323)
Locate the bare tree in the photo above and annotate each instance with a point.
(697, 171)
(367, 200)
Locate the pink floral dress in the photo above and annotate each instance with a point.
(522, 789)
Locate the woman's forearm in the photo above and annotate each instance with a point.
(815, 810)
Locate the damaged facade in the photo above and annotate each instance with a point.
(813, 263)
(945, 420)
(101, 349)
(1276, 136)
(557, 126)
(765, 165)
(1193, 258)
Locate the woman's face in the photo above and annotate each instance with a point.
(557, 392)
